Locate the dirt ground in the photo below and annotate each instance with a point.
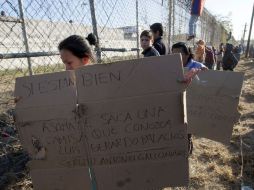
(212, 165)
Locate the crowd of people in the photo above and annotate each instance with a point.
(201, 56)
(225, 57)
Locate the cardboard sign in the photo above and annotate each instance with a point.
(51, 132)
(45, 115)
(136, 134)
(212, 103)
(60, 178)
(128, 130)
(41, 97)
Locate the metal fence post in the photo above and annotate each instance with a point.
(95, 30)
(137, 28)
(25, 36)
(173, 24)
(170, 11)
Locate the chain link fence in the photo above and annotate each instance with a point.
(32, 29)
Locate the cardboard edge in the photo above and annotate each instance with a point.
(184, 105)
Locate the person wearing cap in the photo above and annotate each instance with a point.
(197, 7)
(200, 51)
(158, 44)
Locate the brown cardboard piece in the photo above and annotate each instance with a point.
(142, 76)
(135, 135)
(61, 139)
(49, 130)
(127, 135)
(45, 114)
(46, 178)
(212, 103)
(44, 97)
(142, 94)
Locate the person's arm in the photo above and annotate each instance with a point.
(201, 66)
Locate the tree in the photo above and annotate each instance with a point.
(226, 21)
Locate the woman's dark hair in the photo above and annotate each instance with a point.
(146, 33)
(78, 46)
(157, 27)
(187, 50)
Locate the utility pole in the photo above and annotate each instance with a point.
(24, 33)
(170, 12)
(248, 43)
(245, 30)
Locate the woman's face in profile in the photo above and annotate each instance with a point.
(71, 61)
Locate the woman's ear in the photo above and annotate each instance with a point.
(85, 60)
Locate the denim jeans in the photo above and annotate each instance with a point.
(193, 24)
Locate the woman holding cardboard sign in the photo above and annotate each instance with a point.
(187, 56)
(75, 51)
(193, 68)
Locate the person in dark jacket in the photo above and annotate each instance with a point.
(209, 58)
(229, 60)
(146, 44)
(158, 44)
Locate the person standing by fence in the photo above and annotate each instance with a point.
(146, 44)
(229, 60)
(158, 44)
(200, 51)
(209, 58)
(220, 55)
(197, 7)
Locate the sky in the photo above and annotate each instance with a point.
(241, 13)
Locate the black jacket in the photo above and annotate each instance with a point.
(160, 46)
(229, 61)
(151, 51)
